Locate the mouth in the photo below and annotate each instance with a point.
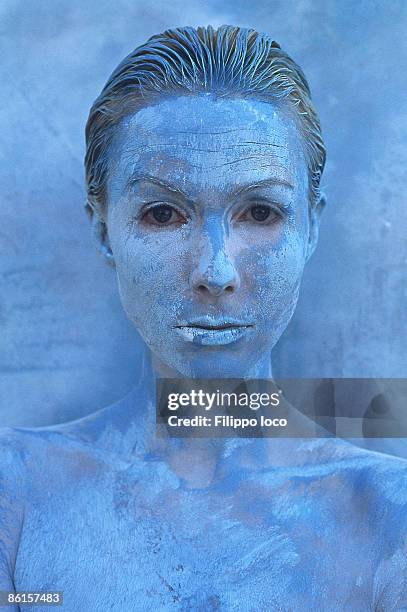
(211, 332)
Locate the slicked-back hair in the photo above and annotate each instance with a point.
(229, 61)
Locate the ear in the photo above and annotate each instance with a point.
(314, 221)
(99, 233)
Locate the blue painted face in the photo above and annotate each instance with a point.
(208, 222)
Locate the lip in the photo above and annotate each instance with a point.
(210, 331)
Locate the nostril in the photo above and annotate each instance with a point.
(214, 289)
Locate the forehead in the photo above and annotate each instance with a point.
(203, 143)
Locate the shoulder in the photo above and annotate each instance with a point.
(12, 501)
(350, 486)
(388, 482)
(377, 479)
(34, 458)
(38, 465)
(382, 478)
(75, 448)
(378, 515)
(359, 498)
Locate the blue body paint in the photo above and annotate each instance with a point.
(212, 162)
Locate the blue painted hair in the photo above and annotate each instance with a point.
(229, 61)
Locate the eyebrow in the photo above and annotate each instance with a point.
(271, 182)
(139, 178)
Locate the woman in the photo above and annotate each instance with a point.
(203, 164)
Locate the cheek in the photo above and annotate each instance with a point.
(273, 275)
(150, 271)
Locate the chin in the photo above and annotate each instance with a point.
(217, 364)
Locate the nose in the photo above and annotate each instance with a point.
(214, 273)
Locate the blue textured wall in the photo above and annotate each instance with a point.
(65, 346)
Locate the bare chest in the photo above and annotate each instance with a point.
(128, 545)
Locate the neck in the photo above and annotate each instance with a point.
(197, 461)
(201, 462)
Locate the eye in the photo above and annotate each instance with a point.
(163, 214)
(261, 213)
